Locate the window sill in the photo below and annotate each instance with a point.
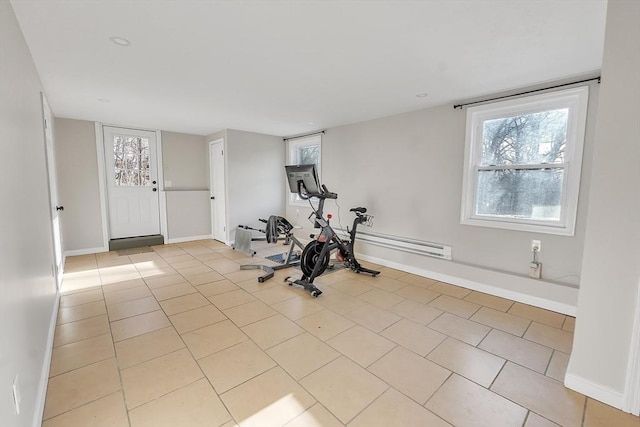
(559, 230)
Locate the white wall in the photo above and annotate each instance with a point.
(185, 161)
(188, 215)
(27, 286)
(77, 165)
(255, 176)
(608, 300)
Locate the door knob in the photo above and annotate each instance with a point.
(213, 198)
(155, 189)
(59, 208)
(153, 182)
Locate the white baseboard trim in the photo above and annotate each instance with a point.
(46, 364)
(88, 251)
(632, 387)
(593, 390)
(188, 239)
(489, 281)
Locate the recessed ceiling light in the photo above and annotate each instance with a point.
(311, 123)
(120, 41)
(422, 95)
(105, 100)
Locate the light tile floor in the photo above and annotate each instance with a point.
(180, 336)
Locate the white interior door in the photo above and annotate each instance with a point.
(217, 186)
(132, 182)
(55, 207)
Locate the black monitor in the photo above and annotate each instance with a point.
(305, 173)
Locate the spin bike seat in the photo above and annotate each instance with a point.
(358, 210)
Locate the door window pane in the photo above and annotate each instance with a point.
(131, 161)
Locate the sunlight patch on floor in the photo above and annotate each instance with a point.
(285, 408)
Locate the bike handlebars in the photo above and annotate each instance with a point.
(324, 192)
(328, 194)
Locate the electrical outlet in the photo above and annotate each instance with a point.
(536, 244)
(15, 388)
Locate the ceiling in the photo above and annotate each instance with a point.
(290, 67)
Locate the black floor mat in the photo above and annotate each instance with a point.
(279, 258)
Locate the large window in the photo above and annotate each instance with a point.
(523, 159)
(304, 151)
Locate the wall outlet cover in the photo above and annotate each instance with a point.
(536, 244)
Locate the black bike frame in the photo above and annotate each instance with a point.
(333, 241)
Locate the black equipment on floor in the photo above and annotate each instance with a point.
(303, 180)
(275, 227)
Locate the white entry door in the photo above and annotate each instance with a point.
(132, 175)
(55, 207)
(217, 186)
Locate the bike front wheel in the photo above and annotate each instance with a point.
(311, 257)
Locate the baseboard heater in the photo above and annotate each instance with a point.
(403, 244)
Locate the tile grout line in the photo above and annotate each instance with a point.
(584, 411)
(546, 369)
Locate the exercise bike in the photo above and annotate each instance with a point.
(317, 253)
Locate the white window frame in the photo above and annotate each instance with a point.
(576, 101)
(292, 159)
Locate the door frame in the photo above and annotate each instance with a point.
(102, 179)
(226, 204)
(52, 180)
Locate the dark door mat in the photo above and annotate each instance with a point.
(135, 242)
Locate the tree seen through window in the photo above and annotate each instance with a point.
(131, 160)
(513, 179)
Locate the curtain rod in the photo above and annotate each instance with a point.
(526, 93)
(302, 136)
